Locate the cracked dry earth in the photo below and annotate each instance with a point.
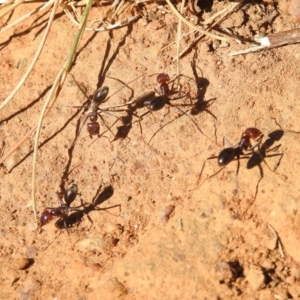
(172, 234)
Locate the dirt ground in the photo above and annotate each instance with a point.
(222, 241)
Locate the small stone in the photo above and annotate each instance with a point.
(21, 263)
(272, 243)
(255, 278)
(165, 213)
(268, 264)
(295, 272)
(90, 244)
(113, 229)
(114, 287)
(225, 273)
(294, 290)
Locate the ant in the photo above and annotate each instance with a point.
(158, 102)
(227, 155)
(62, 211)
(99, 96)
(94, 111)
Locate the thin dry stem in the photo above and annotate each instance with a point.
(19, 20)
(226, 11)
(178, 38)
(37, 54)
(57, 85)
(197, 28)
(51, 17)
(11, 8)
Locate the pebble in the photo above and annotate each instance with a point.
(272, 243)
(114, 229)
(114, 287)
(294, 10)
(90, 244)
(165, 213)
(21, 263)
(294, 290)
(255, 278)
(224, 272)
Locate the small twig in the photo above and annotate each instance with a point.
(12, 7)
(19, 20)
(226, 11)
(37, 54)
(272, 41)
(197, 28)
(178, 38)
(278, 240)
(57, 85)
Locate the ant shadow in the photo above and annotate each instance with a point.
(259, 156)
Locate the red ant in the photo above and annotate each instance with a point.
(62, 211)
(227, 155)
(99, 96)
(159, 102)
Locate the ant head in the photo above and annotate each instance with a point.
(252, 132)
(100, 95)
(163, 77)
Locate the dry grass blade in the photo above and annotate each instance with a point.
(75, 18)
(19, 20)
(11, 8)
(224, 13)
(37, 54)
(178, 38)
(57, 85)
(197, 28)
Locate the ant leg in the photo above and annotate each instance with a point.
(238, 166)
(162, 128)
(182, 111)
(209, 112)
(109, 207)
(59, 233)
(104, 123)
(278, 163)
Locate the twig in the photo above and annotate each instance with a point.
(278, 240)
(272, 41)
(37, 54)
(197, 28)
(19, 20)
(57, 85)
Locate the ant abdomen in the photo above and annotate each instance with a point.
(71, 193)
(156, 104)
(100, 95)
(226, 156)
